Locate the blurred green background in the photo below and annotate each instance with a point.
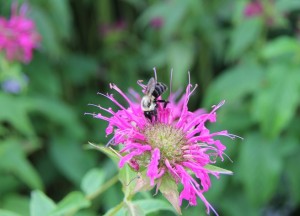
(246, 54)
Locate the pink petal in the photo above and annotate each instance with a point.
(152, 172)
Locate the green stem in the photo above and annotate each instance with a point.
(107, 185)
(116, 209)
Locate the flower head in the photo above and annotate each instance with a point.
(253, 9)
(18, 35)
(15, 85)
(174, 146)
(156, 22)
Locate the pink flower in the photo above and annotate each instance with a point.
(111, 28)
(254, 8)
(175, 145)
(156, 22)
(18, 35)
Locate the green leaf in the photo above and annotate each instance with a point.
(172, 14)
(169, 190)
(108, 151)
(8, 213)
(70, 204)
(217, 169)
(126, 176)
(153, 205)
(142, 182)
(292, 168)
(236, 83)
(259, 168)
(80, 67)
(58, 112)
(52, 88)
(50, 40)
(133, 209)
(275, 105)
(14, 160)
(16, 203)
(92, 181)
(62, 19)
(70, 159)
(281, 47)
(180, 57)
(127, 208)
(40, 204)
(8, 182)
(15, 112)
(286, 6)
(116, 211)
(234, 204)
(243, 36)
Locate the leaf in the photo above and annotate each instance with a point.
(217, 169)
(292, 168)
(70, 159)
(14, 160)
(62, 18)
(115, 211)
(126, 176)
(235, 205)
(15, 112)
(142, 182)
(80, 67)
(50, 40)
(243, 36)
(169, 189)
(259, 168)
(40, 204)
(180, 57)
(133, 209)
(274, 106)
(286, 6)
(71, 203)
(10, 201)
(52, 88)
(171, 12)
(236, 83)
(281, 47)
(8, 213)
(108, 151)
(8, 182)
(92, 181)
(58, 112)
(153, 205)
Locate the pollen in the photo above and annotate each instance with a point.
(168, 139)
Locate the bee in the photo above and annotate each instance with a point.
(149, 102)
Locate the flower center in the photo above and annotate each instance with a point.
(168, 139)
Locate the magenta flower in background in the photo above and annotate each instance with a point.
(157, 22)
(109, 28)
(254, 8)
(18, 35)
(177, 147)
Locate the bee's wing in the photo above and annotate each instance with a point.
(150, 86)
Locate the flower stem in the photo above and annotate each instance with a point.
(104, 187)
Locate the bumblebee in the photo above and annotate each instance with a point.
(149, 101)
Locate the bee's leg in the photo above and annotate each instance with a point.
(166, 103)
(163, 101)
(148, 115)
(155, 114)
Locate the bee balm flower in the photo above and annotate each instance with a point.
(177, 147)
(18, 36)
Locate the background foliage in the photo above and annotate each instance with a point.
(253, 62)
